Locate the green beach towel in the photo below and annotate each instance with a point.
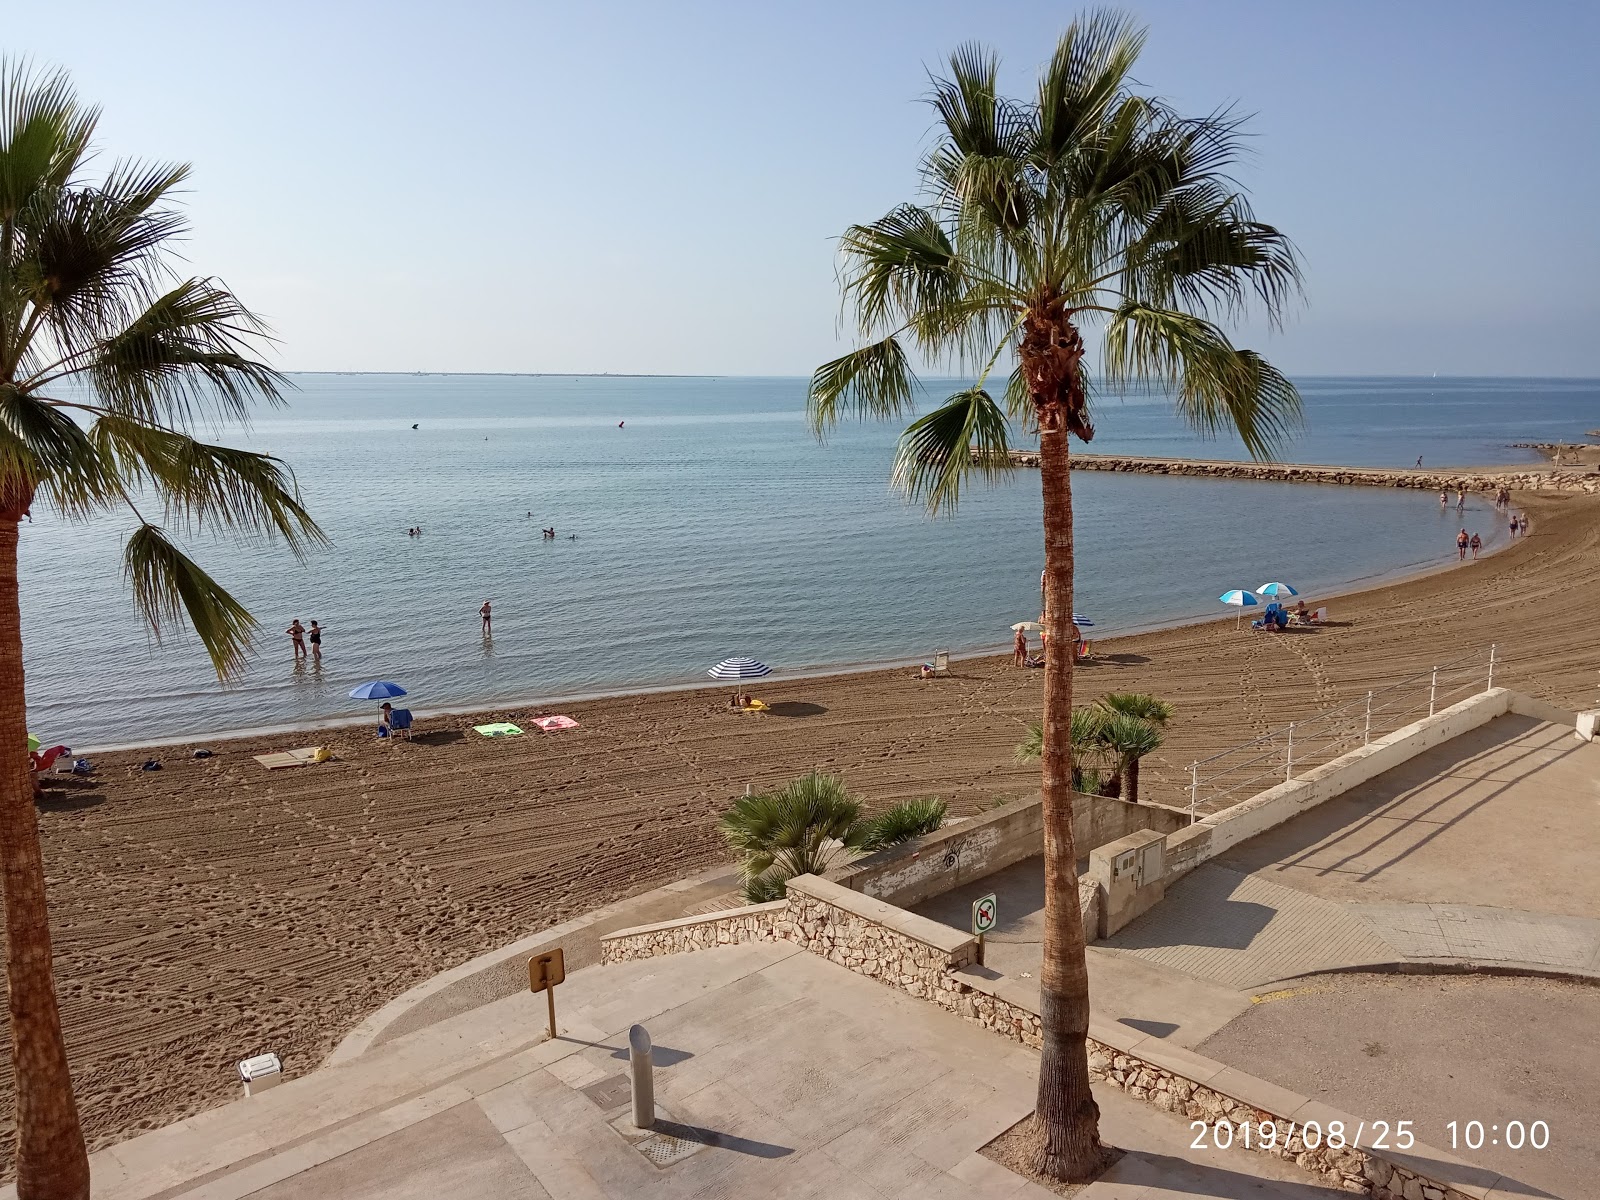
(502, 729)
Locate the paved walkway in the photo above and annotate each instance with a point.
(780, 1075)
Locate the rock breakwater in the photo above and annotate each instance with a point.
(1471, 479)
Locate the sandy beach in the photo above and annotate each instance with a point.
(214, 909)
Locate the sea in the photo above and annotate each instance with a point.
(698, 519)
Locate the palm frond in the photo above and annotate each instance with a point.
(210, 487)
(170, 588)
(44, 134)
(964, 436)
(190, 347)
(1084, 79)
(907, 820)
(902, 263)
(1219, 387)
(1137, 704)
(42, 448)
(874, 381)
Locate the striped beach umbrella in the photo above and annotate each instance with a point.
(1081, 621)
(1276, 590)
(1242, 599)
(739, 668)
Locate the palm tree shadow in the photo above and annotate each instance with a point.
(439, 737)
(71, 802)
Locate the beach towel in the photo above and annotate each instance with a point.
(289, 758)
(557, 722)
(499, 729)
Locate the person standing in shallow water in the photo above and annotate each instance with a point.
(1461, 546)
(314, 636)
(484, 613)
(297, 634)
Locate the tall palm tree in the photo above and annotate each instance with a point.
(1086, 205)
(802, 827)
(107, 358)
(1138, 732)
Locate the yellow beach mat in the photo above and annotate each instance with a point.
(499, 729)
(756, 706)
(293, 758)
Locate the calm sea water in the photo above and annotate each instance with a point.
(713, 524)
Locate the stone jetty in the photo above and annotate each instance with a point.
(1471, 479)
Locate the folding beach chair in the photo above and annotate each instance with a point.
(941, 663)
(400, 723)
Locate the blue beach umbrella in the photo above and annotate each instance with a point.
(1242, 599)
(1276, 590)
(1081, 621)
(378, 689)
(739, 668)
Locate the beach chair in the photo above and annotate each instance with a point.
(400, 723)
(941, 663)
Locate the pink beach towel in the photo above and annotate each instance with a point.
(552, 724)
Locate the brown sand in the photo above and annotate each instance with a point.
(214, 909)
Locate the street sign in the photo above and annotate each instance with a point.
(544, 972)
(985, 912)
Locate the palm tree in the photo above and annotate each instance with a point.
(1087, 204)
(1128, 739)
(804, 826)
(106, 359)
(1136, 732)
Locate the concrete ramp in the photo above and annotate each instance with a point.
(1241, 931)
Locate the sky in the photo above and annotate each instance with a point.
(657, 188)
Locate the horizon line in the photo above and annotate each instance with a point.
(738, 375)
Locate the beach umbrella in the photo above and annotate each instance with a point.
(1276, 590)
(1242, 599)
(378, 689)
(1026, 625)
(739, 668)
(1081, 621)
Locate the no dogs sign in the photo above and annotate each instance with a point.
(985, 912)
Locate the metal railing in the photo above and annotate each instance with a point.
(1279, 754)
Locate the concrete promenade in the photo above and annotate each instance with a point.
(779, 1075)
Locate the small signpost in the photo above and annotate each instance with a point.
(985, 913)
(544, 972)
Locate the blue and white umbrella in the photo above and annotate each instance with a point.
(1081, 621)
(1276, 590)
(378, 689)
(1240, 598)
(739, 668)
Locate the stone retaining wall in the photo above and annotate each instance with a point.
(753, 923)
(876, 939)
(1533, 480)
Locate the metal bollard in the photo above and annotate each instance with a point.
(643, 1073)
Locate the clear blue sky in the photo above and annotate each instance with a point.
(648, 187)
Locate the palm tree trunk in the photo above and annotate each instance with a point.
(1132, 774)
(1067, 1117)
(52, 1163)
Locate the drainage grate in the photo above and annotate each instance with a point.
(664, 1149)
(609, 1093)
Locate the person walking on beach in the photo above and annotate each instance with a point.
(1461, 546)
(1461, 500)
(1513, 524)
(1019, 649)
(314, 636)
(1522, 524)
(484, 613)
(297, 634)
(1477, 544)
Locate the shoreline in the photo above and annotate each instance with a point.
(1345, 591)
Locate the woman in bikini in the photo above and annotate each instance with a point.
(297, 634)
